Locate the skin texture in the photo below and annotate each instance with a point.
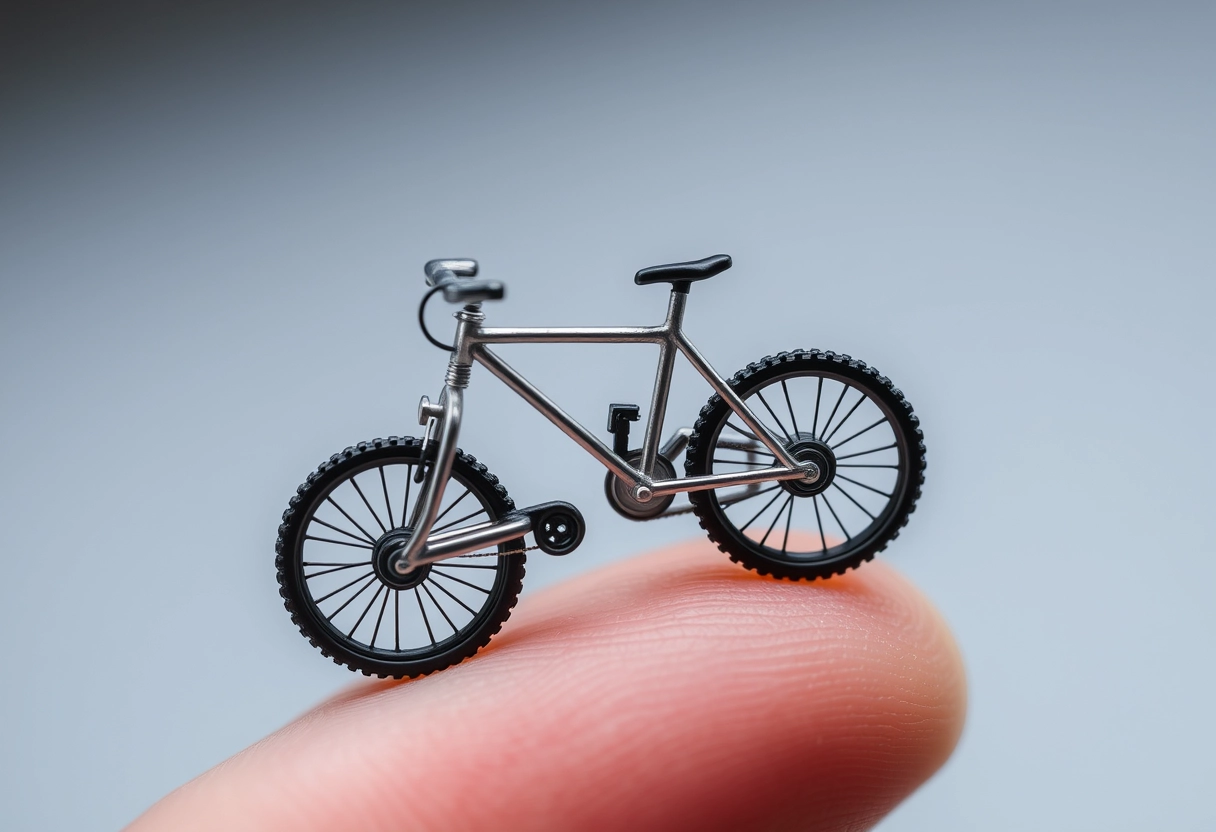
(672, 691)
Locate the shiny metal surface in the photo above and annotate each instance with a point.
(462, 541)
(428, 410)
(570, 335)
(736, 404)
(564, 421)
(428, 503)
(662, 381)
(659, 488)
(678, 442)
(472, 342)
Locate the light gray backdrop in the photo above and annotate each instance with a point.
(212, 227)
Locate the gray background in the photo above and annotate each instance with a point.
(212, 226)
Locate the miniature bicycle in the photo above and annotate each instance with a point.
(394, 586)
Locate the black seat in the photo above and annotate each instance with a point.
(681, 275)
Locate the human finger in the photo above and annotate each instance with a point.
(674, 690)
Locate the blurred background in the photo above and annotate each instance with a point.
(213, 220)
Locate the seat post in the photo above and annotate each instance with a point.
(676, 303)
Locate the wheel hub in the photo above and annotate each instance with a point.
(806, 448)
(386, 554)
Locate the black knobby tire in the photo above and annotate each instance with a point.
(844, 534)
(344, 511)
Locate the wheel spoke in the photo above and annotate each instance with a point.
(466, 493)
(344, 586)
(793, 418)
(387, 504)
(439, 607)
(425, 620)
(345, 603)
(789, 501)
(397, 620)
(468, 566)
(785, 541)
(445, 591)
(863, 485)
(756, 493)
(375, 516)
(868, 466)
(847, 536)
(828, 423)
(336, 568)
(434, 571)
(818, 393)
(776, 497)
(853, 501)
(370, 537)
(840, 424)
(742, 432)
(380, 617)
(405, 502)
(859, 433)
(338, 542)
(366, 610)
(461, 520)
(863, 453)
(823, 540)
(760, 396)
(335, 528)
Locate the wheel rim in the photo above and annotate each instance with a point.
(347, 533)
(852, 435)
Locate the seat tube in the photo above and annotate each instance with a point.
(662, 381)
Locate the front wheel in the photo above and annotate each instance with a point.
(334, 561)
(827, 408)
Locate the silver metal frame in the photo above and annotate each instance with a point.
(472, 342)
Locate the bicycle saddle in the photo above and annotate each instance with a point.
(682, 274)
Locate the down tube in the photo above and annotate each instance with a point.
(543, 404)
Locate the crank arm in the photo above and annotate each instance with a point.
(457, 542)
(678, 442)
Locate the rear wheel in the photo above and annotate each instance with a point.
(334, 555)
(827, 408)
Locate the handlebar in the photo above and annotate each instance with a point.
(446, 274)
(438, 271)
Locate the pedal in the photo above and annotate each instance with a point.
(619, 417)
(558, 527)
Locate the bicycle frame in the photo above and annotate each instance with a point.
(472, 344)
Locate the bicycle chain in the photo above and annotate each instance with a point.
(663, 516)
(500, 554)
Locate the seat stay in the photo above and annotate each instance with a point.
(723, 389)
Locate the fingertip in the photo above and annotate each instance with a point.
(673, 690)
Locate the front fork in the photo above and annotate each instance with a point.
(446, 414)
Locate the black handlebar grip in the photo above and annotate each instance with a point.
(473, 291)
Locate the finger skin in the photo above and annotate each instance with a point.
(672, 691)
